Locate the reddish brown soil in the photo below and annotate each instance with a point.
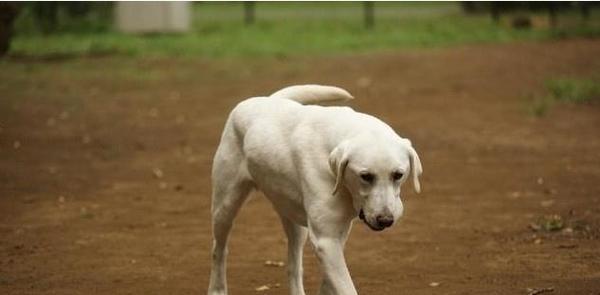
(82, 212)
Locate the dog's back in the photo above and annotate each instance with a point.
(263, 134)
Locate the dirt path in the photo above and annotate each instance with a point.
(104, 173)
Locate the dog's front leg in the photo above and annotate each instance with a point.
(330, 252)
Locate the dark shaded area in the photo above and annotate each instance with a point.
(8, 14)
(554, 8)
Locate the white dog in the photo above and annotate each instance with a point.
(321, 167)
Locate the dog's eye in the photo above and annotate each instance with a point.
(396, 176)
(367, 177)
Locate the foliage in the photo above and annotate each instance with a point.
(64, 17)
(551, 223)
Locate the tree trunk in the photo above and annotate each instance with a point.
(8, 14)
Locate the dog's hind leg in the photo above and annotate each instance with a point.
(296, 236)
(230, 189)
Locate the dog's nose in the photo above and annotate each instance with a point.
(384, 220)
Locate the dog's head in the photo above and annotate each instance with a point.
(373, 172)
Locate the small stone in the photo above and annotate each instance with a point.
(153, 113)
(547, 203)
(86, 139)
(434, 284)
(363, 82)
(157, 173)
(81, 242)
(51, 122)
(174, 96)
(64, 115)
(514, 195)
(17, 145)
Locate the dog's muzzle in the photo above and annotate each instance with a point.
(382, 223)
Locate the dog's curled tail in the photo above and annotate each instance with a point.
(311, 94)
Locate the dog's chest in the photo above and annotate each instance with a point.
(281, 186)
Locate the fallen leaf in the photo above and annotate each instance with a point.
(274, 263)
(262, 288)
(534, 291)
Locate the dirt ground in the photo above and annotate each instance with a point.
(105, 184)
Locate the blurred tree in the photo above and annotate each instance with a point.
(46, 15)
(496, 8)
(8, 14)
(53, 16)
(369, 14)
(249, 12)
(585, 10)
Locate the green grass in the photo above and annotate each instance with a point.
(539, 106)
(284, 29)
(565, 90)
(574, 90)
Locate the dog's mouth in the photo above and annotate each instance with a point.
(361, 215)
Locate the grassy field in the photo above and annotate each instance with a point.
(283, 29)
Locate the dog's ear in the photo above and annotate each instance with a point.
(338, 161)
(415, 164)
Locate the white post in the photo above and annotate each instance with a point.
(153, 17)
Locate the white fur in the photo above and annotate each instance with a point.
(307, 160)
